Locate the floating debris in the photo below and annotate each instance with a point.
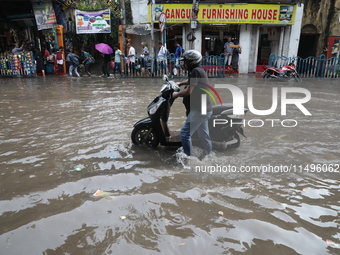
(122, 217)
(101, 193)
(220, 213)
(98, 193)
(329, 242)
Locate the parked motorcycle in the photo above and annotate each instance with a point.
(287, 72)
(224, 127)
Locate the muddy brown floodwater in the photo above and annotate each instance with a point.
(62, 139)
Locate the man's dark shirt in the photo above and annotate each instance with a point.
(198, 78)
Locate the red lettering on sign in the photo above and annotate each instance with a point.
(246, 13)
(275, 14)
(232, 13)
(253, 14)
(256, 14)
(167, 13)
(178, 13)
(204, 13)
(213, 13)
(226, 14)
(264, 14)
(220, 13)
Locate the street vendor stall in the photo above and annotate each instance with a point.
(17, 64)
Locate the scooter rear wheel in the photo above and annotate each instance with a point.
(144, 136)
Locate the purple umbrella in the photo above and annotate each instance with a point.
(104, 48)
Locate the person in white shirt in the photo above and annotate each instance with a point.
(131, 58)
(162, 57)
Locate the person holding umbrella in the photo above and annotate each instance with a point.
(106, 50)
(105, 61)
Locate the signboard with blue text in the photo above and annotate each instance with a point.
(93, 22)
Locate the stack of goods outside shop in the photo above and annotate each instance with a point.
(17, 65)
(43, 31)
(21, 64)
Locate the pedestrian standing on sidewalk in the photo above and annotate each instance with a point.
(60, 60)
(39, 58)
(161, 58)
(237, 50)
(73, 61)
(228, 51)
(132, 59)
(178, 55)
(146, 57)
(118, 63)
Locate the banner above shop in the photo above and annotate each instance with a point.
(44, 15)
(93, 22)
(227, 13)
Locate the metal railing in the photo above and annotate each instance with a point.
(310, 67)
(213, 65)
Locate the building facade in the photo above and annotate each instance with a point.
(261, 29)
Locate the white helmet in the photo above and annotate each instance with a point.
(192, 57)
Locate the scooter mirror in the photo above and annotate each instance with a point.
(165, 77)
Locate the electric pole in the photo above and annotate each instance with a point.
(123, 20)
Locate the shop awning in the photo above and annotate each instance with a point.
(140, 29)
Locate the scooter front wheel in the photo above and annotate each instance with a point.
(267, 77)
(297, 78)
(143, 135)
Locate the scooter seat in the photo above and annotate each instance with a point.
(217, 109)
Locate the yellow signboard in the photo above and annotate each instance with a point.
(227, 13)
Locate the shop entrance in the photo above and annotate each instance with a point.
(269, 42)
(215, 36)
(174, 34)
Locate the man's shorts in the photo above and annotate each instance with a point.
(177, 64)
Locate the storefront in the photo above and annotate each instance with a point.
(31, 24)
(261, 29)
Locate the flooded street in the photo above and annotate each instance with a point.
(62, 139)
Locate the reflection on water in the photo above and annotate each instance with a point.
(62, 139)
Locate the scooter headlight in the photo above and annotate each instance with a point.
(153, 109)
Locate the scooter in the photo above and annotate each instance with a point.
(287, 72)
(224, 127)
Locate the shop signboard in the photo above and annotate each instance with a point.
(93, 22)
(274, 14)
(44, 15)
